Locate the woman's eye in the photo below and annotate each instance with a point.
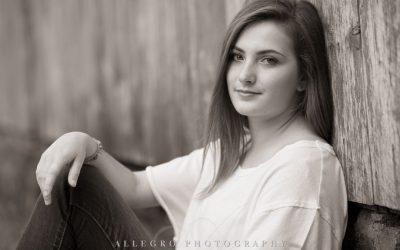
(269, 60)
(237, 57)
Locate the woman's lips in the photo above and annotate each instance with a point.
(245, 92)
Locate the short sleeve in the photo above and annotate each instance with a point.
(291, 228)
(173, 184)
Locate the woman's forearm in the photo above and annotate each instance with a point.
(132, 186)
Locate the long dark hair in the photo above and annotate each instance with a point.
(226, 127)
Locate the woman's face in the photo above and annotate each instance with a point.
(263, 72)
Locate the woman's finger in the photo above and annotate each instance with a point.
(41, 172)
(75, 170)
(51, 177)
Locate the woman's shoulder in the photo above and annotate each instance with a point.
(309, 162)
(314, 152)
(305, 173)
(314, 160)
(303, 169)
(320, 176)
(313, 172)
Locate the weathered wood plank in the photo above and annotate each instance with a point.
(351, 140)
(380, 29)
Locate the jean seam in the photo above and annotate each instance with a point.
(97, 223)
(63, 233)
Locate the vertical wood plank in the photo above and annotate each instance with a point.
(351, 140)
(14, 66)
(380, 29)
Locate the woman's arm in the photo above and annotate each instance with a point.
(132, 186)
(71, 149)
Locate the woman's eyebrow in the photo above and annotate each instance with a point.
(266, 51)
(237, 49)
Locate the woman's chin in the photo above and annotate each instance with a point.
(246, 111)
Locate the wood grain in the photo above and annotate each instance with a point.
(351, 140)
(380, 29)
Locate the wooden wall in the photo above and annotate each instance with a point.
(138, 74)
(364, 48)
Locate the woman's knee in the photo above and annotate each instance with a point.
(90, 182)
(91, 177)
(92, 186)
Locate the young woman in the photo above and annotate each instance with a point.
(266, 178)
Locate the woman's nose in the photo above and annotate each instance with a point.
(247, 74)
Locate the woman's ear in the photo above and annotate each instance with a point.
(301, 85)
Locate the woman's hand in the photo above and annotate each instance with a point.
(70, 149)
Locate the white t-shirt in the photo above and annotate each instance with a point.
(295, 200)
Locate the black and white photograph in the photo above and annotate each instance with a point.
(200, 124)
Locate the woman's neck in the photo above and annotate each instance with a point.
(266, 133)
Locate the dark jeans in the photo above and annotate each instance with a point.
(90, 216)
